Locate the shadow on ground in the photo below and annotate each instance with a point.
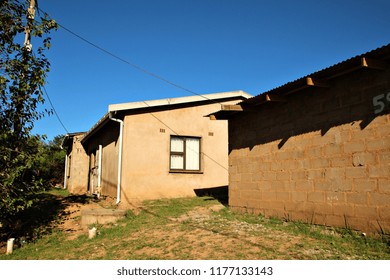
(219, 193)
(41, 218)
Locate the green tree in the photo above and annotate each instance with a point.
(52, 161)
(22, 76)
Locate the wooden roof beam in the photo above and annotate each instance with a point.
(314, 82)
(373, 63)
(307, 82)
(235, 108)
(225, 110)
(274, 98)
(265, 98)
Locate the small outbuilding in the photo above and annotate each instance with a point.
(76, 163)
(317, 149)
(153, 149)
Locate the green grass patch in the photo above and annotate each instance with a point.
(59, 192)
(156, 232)
(177, 206)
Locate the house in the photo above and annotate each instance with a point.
(76, 163)
(316, 149)
(153, 149)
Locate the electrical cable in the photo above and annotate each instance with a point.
(54, 110)
(139, 68)
(52, 106)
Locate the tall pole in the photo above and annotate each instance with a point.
(27, 48)
(30, 17)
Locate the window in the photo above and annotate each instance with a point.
(185, 153)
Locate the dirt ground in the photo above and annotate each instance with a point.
(71, 222)
(235, 239)
(204, 232)
(201, 242)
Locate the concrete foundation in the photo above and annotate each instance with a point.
(101, 216)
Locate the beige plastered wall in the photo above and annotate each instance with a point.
(108, 138)
(146, 153)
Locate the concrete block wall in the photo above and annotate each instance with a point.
(77, 180)
(322, 157)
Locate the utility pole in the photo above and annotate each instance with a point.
(27, 48)
(30, 17)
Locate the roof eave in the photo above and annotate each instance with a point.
(96, 128)
(67, 137)
(213, 97)
(371, 60)
(154, 104)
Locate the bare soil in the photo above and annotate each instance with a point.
(203, 232)
(194, 235)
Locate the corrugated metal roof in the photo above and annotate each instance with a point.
(329, 72)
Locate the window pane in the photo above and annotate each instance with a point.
(177, 144)
(177, 162)
(192, 154)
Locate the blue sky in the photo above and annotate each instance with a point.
(206, 46)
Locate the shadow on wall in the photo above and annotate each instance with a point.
(219, 193)
(344, 102)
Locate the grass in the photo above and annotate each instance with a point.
(59, 192)
(183, 229)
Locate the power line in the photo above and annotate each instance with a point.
(139, 68)
(149, 73)
(28, 47)
(52, 106)
(128, 62)
(54, 110)
(177, 134)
